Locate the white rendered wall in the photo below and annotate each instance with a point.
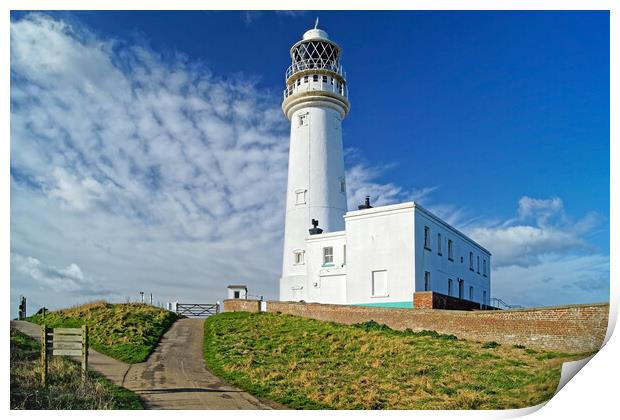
(441, 267)
(316, 169)
(243, 292)
(326, 282)
(380, 239)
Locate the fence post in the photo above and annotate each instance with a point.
(44, 330)
(84, 351)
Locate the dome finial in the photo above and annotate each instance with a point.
(316, 22)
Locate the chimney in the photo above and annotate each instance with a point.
(366, 204)
(315, 228)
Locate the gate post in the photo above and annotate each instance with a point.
(44, 331)
(84, 351)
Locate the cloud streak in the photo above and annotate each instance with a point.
(138, 171)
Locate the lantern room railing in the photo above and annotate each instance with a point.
(318, 86)
(312, 64)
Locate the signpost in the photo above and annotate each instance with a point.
(63, 342)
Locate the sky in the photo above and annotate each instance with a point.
(149, 151)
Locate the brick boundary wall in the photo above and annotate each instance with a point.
(434, 300)
(572, 328)
(241, 305)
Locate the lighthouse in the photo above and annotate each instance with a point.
(315, 101)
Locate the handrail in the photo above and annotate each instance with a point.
(315, 64)
(501, 302)
(316, 86)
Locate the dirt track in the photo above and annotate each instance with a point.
(174, 376)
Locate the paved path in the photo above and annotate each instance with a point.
(174, 375)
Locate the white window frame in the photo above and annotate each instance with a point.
(471, 261)
(450, 287)
(300, 196)
(427, 238)
(450, 250)
(484, 267)
(471, 292)
(299, 257)
(328, 257)
(439, 244)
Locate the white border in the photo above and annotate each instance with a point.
(591, 395)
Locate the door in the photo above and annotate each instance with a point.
(333, 289)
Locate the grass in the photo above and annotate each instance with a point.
(127, 332)
(65, 390)
(309, 364)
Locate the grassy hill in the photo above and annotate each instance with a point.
(304, 363)
(65, 389)
(126, 332)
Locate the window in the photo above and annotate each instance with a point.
(331, 80)
(315, 78)
(328, 255)
(324, 79)
(427, 281)
(305, 79)
(303, 119)
(439, 244)
(298, 82)
(427, 237)
(344, 255)
(484, 267)
(298, 257)
(461, 289)
(471, 261)
(450, 250)
(237, 294)
(484, 297)
(300, 197)
(478, 263)
(471, 292)
(343, 186)
(449, 287)
(379, 283)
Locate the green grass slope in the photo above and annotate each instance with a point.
(309, 364)
(127, 332)
(65, 390)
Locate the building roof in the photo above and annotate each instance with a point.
(413, 205)
(236, 286)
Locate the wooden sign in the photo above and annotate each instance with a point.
(63, 342)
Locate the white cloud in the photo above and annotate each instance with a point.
(148, 172)
(151, 173)
(541, 228)
(70, 279)
(556, 280)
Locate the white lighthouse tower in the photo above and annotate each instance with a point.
(315, 101)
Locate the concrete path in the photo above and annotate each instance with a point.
(174, 376)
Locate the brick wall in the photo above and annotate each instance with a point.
(241, 305)
(434, 300)
(574, 328)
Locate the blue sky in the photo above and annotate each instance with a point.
(147, 146)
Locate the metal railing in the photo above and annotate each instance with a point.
(311, 64)
(497, 302)
(316, 86)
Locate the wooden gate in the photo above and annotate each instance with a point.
(198, 310)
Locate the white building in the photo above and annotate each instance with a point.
(372, 256)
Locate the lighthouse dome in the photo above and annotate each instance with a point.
(315, 33)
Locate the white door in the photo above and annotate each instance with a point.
(333, 289)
